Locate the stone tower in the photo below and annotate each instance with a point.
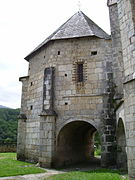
(122, 17)
(67, 97)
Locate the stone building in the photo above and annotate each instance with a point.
(81, 81)
(122, 18)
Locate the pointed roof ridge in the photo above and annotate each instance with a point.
(89, 21)
(78, 25)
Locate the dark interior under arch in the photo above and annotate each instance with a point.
(121, 146)
(75, 144)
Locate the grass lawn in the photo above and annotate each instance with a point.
(9, 166)
(101, 174)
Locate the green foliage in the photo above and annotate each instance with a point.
(8, 125)
(101, 174)
(97, 152)
(97, 141)
(9, 166)
(97, 144)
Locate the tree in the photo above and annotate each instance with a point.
(8, 125)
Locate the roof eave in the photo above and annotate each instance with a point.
(27, 58)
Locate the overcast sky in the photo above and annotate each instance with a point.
(26, 23)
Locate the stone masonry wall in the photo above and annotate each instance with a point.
(117, 63)
(127, 30)
(21, 136)
(7, 148)
(72, 100)
(129, 109)
(127, 35)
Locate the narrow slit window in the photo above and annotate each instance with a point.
(80, 76)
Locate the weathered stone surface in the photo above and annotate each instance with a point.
(62, 93)
(125, 23)
(64, 106)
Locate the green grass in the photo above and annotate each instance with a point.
(101, 174)
(9, 166)
(97, 152)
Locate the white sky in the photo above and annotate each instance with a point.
(24, 24)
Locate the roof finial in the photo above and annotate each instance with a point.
(79, 5)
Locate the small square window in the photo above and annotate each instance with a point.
(58, 52)
(93, 53)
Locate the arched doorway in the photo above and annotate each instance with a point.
(121, 146)
(75, 144)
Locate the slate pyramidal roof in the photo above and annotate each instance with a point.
(79, 25)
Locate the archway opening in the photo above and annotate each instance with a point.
(121, 146)
(75, 144)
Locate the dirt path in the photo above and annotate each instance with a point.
(40, 176)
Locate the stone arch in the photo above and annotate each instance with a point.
(75, 143)
(121, 145)
(73, 119)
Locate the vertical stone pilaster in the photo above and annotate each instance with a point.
(48, 91)
(47, 140)
(129, 106)
(21, 138)
(47, 121)
(24, 81)
(117, 62)
(108, 157)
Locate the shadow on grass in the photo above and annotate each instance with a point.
(92, 171)
(120, 172)
(98, 174)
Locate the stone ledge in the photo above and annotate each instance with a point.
(129, 78)
(119, 103)
(24, 78)
(111, 2)
(48, 113)
(22, 116)
(85, 95)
